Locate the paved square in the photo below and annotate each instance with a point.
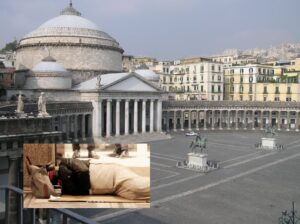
(251, 187)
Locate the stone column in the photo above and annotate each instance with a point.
(175, 121)
(278, 120)
(144, 116)
(167, 121)
(151, 116)
(213, 119)
(97, 118)
(228, 117)
(261, 120)
(117, 117)
(288, 121)
(108, 118)
(297, 121)
(83, 127)
(135, 120)
(76, 128)
(270, 118)
(126, 117)
(205, 125)
(182, 120)
(197, 120)
(220, 124)
(245, 119)
(159, 115)
(190, 120)
(253, 120)
(67, 127)
(236, 120)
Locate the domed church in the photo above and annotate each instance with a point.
(74, 42)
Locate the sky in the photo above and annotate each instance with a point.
(167, 29)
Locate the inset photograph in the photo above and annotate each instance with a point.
(86, 176)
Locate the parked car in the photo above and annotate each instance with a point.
(191, 133)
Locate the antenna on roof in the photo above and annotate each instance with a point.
(71, 3)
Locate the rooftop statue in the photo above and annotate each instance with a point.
(20, 104)
(42, 106)
(198, 145)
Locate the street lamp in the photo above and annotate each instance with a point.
(289, 217)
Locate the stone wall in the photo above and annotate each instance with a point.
(72, 57)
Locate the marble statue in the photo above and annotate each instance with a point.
(98, 84)
(42, 106)
(20, 104)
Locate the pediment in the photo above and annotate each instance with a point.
(131, 84)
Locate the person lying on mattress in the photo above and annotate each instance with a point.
(78, 177)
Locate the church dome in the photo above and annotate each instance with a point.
(69, 22)
(48, 74)
(49, 65)
(76, 43)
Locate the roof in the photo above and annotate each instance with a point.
(49, 64)
(109, 80)
(69, 23)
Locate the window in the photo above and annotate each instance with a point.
(213, 78)
(250, 98)
(289, 90)
(265, 90)
(219, 98)
(241, 71)
(276, 99)
(219, 77)
(195, 78)
(276, 90)
(201, 77)
(212, 97)
(241, 89)
(265, 98)
(212, 88)
(201, 88)
(219, 68)
(250, 79)
(232, 71)
(288, 99)
(219, 88)
(250, 70)
(250, 89)
(213, 68)
(241, 98)
(202, 68)
(242, 80)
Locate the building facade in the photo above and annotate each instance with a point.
(194, 79)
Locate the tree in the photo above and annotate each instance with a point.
(11, 46)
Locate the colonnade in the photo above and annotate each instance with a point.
(115, 117)
(230, 119)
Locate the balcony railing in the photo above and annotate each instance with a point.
(64, 215)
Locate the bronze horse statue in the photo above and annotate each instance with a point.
(199, 143)
(270, 131)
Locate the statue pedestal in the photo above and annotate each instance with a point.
(43, 114)
(21, 114)
(197, 160)
(268, 143)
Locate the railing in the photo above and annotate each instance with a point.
(19, 192)
(64, 214)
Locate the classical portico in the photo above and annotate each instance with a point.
(124, 105)
(230, 115)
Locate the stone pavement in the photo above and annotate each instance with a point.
(251, 186)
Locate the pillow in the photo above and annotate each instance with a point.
(41, 185)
